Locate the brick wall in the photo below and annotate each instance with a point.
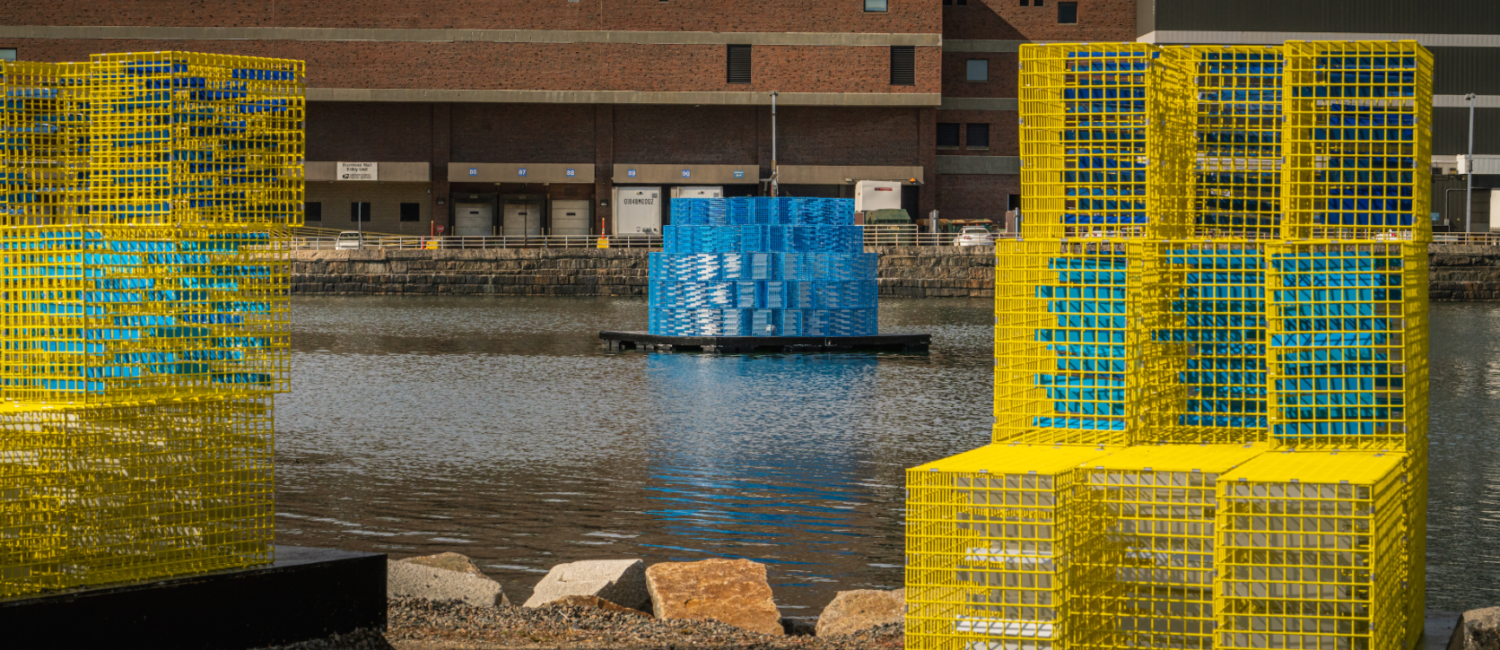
(813, 135)
(1002, 81)
(905, 16)
(369, 131)
(546, 66)
(976, 196)
(1005, 131)
(1098, 20)
(704, 135)
(533, 133)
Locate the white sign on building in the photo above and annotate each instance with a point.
(358, 171)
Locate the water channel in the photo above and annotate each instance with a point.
(501, 429)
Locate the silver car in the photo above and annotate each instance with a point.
(349, 240)
(974, 236)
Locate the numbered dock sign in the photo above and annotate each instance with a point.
(739, 173)
(572, 173)
(630, 173)
(473, 171)
(687, 173)
(521, 171)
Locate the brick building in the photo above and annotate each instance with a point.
(510, 115)
(499, 115)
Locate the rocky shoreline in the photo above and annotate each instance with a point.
(446, 602)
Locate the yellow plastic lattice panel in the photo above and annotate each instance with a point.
(1160, 504)
(109, 494)
(200, 140)
(1216, 315)
(1106, 140)
(1414, 576)
(1237, 189)
(43, 118)
(1358, 140)
(1075, 359)
(992, 536)
(1347, 356)
(1311, 553)
(125, 313)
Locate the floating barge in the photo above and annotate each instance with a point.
(735, 344)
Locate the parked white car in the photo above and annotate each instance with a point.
(974, 236)
(349, 240)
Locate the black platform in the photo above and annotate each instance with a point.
(306, 594)
(643, 340)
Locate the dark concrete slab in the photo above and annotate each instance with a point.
(644, 340)
(1439, 630)
(306, 594)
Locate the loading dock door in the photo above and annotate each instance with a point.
(473, 220)
(571, 218)
(522, 219)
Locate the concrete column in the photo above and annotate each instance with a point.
(442, 150)
(604, 165)
(927, 148)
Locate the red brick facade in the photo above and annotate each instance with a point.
(857, 119)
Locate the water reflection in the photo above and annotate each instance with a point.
(500, 428)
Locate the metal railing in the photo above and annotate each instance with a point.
(1477, 238)
(318, 239)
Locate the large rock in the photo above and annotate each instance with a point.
(618, 581)
(728, 591)
(596, 602)
(450, 561)
(1478, 629)
(853, 611)
(406, 579)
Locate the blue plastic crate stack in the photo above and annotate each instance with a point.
(759, 266)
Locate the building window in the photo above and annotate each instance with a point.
(1067, 13)
(739, 64)
(875, 5)
(903, 65)
(312, 211)
(955, 2)
(947, 135)
(7, 54)
(1038, 3)
(411, 211)
(1024, 3)
(978, 136)
(359, 212)
(979, 70)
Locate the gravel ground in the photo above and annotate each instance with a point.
(426, 625)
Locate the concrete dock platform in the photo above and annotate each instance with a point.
(307, 593)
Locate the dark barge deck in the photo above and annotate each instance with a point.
(733, 344)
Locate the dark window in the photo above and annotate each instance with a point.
(947, 134)
(411, 211)
(739, 64)
(312, 211)
(978, 70)
(875, 5)
(903, 65)
(1038, 3)
(956, 2)
(1024, 3)
(7, 54)
(359, 212)
(978, 136)
(1067, 12)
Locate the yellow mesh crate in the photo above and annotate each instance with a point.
(101, 494)
(1357, 140)
(43, 116)
(1106, 140)
(202, 140)
(991, 539)
(1237, 186)
(1160, 504)
(1311, 552)
(1347, 356)
(1216, 316)
(1414, 534)
(1075, 359)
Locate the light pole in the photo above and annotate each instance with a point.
(774, 168)
(1469, 193)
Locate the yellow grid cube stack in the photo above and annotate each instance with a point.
(1221, 302)
(144, 274)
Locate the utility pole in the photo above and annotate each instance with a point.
(774, 168)
(1469, 193)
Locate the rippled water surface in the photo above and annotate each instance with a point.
(501, 429)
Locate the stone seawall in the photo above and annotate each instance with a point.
(1457, 272)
